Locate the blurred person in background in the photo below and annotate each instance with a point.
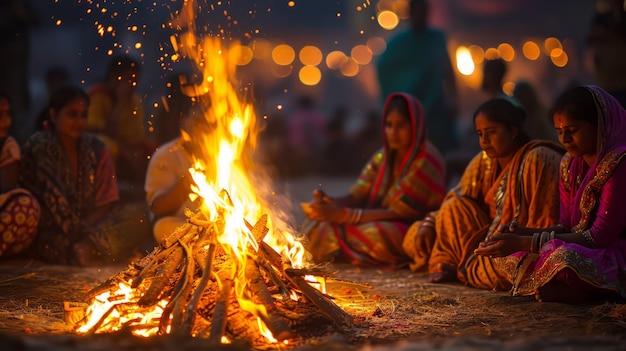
(19, 210)
(492, 84)
(538, 124)
(116, 116)
(72, 175)
(417, 62)
(307, 136)
(338, 155)
(607, 40)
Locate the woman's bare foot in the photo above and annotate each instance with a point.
(556, 291)
(445, 273)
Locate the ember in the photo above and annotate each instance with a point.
(218, 276)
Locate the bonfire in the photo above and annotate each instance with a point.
(230, 272)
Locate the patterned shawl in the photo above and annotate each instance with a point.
(65, 198)
(421, 185)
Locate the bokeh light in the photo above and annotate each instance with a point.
(310, 75)
(336, 59)
(261, 48)
(478, 54)
(310, 55)
(377, 45)
(506, 51)
(464, 61)
(559, 57)
(531, 50)
(240, 54)
(350, 68)
(283, 55)
(388, 20)
(508, 88)
(361, 54)
(279, 71)
(550, 44)
(491, 54)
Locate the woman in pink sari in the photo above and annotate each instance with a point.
(583, 257)
(400, 184)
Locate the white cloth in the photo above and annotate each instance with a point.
(167, 166)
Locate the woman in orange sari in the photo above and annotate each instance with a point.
(513, 179)
(400, 184)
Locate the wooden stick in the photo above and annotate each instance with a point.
(220, 312)
(164, 273)
(267, 267)
(274, 321)
(181, 298)
(150, 267)
(259, 230)
(178, 234)
(327, 306)
(190, 313)
(272, 256)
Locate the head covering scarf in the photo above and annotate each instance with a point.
(611, 142)
(417, 149)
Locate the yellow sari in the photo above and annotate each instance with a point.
(525, 191)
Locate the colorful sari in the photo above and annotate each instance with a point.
(19, 211)
(525, 192)
(66, 200)
(592, 202)
(417, 190)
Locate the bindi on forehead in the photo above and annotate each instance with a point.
(559, 120)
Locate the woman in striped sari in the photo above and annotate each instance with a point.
(400, 184)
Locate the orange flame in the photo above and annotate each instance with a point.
(224, 138)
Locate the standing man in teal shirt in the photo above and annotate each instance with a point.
(416, 61)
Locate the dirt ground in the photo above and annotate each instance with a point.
(393, 310)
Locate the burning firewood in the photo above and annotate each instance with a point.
(194, 285)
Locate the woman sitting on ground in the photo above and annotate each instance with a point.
(400, 184)
(19, 210)
(583, 257)
(71, 174)
(513, 179)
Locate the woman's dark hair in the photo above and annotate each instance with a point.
(61, 97)
(578, 104)
(399, 103)
(503, 111)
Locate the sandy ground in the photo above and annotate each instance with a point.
(393, 310)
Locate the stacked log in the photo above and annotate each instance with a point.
(194, 277)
